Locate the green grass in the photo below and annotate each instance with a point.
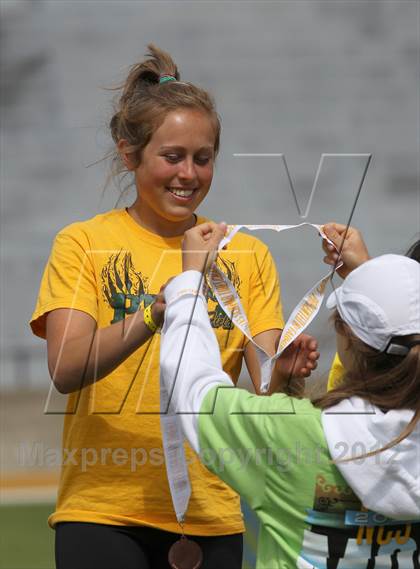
(27, 542)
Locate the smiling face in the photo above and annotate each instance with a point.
(175, 172)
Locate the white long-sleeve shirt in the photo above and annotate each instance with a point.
(190, 356)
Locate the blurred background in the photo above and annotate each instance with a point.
(301, 78)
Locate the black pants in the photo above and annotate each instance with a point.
(100, 546)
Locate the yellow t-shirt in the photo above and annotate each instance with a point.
(113, 469)
(336, 373)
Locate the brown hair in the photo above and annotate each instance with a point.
(414, 251)
(385, 380)
(145, 101)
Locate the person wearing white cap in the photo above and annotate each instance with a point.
(353, 252)
(334, 482)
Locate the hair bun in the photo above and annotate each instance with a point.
(149, 71)
(149, 77)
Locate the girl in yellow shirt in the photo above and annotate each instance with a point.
(99, 306)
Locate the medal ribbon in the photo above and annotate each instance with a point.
(175, 461)
(299, 320)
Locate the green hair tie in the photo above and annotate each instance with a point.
(165, 78)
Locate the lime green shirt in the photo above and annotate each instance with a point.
(273, 452)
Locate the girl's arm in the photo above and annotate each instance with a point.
(190, 361)
(79, 353)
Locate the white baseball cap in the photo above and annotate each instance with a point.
(380, 300)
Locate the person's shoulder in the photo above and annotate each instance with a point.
(84, 229)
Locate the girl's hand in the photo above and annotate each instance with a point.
(159, 306)
(199, 246)
(300, 358)
(353, 251)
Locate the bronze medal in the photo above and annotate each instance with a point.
(185, 554)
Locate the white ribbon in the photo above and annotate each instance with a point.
(229, 301)
(175, 462)
(299, 320)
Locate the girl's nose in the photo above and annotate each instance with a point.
(187, 170)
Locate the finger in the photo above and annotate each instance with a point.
(204, 228)
(308, 343)
(331, 259)
(314, 356)
(325, 246)
(336, 236)
(217, 234)
(337, 227)
(304, 372)
(333, 236)
(220, 228)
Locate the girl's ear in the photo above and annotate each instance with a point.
(127, 157)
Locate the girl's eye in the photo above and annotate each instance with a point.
(172, 158)
(202, 160)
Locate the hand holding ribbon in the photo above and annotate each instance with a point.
(299, 359)
(200, 246)
(344, 243)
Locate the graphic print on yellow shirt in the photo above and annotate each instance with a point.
(125, 289)
(113, 467)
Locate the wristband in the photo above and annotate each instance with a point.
(148, 319)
